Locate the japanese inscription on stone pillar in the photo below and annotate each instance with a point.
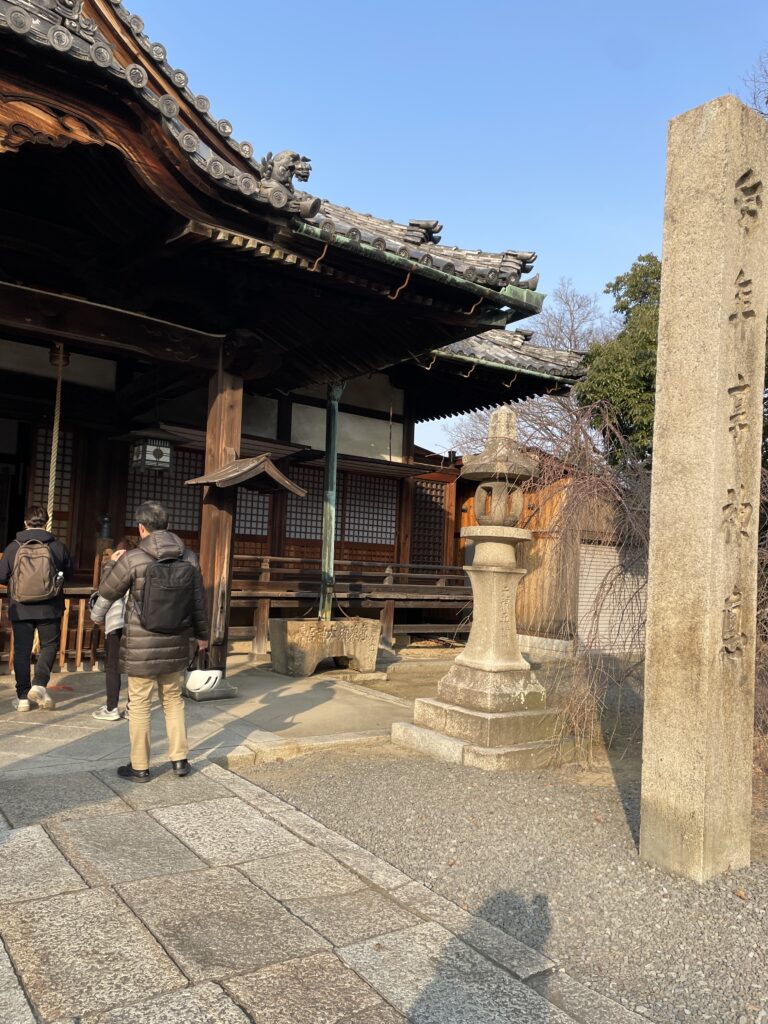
(736, 511)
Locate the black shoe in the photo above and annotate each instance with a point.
(126, 771)
(181, 768)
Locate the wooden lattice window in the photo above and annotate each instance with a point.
(304, 515)
(252, 516)
(428, 522)
(182, 503)
(38, 493)
(370, 509)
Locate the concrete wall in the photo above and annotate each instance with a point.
(259, 416)
(358, 435)
(34, 360)
(373, 391)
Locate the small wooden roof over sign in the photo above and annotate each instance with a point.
(256, 474)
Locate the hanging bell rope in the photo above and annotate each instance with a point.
(59, 359)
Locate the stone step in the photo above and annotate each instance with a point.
(523, 756)
(486, 728)
(519, 757)
(427, 741)
(423, 670)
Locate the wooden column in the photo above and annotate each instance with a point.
(222, 445)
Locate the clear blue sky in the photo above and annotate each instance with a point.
(527, 126)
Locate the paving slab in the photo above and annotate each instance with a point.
(380, 1015)
(351, 917)
(523, 961)
(313, 990)
(201, 1004)
(164, 789)
(582, 1002)
(122, 847)
(26, 801)
(215, 923)
(31, 866)
(65, 741)
(361, 861)
(298, 873)
(14, 1008)
(85, 953)
(430, 976)
(225, 831)
(248, 791)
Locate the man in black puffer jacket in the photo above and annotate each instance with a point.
(152, 657)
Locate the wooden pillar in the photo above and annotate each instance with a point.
(222, 445)
(329, 499)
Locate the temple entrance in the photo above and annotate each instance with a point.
(14, 448)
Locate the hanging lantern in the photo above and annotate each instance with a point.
(151, 453)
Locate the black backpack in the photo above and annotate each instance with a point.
(168, 596)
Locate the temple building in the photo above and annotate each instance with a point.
(170, 304)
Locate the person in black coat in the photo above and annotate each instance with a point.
(150, 657)
(41, 616)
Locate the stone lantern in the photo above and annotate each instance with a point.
(491, 710)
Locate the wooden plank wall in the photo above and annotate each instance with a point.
(547, 599)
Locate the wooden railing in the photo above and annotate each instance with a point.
(81, 643)
(264, 583)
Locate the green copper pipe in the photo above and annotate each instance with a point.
(509, 295)
(329, 499)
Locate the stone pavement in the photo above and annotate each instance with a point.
(207, 900)
(272, 716)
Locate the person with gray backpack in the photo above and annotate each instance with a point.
(164, 615)
(35, 567)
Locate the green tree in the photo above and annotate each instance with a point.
(621, 373)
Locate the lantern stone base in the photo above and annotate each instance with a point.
(488, 689)
(497, 721)
(299, 645)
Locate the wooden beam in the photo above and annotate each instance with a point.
(222, 445)
(161, 383)
(43, 314)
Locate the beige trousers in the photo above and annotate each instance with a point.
(140, 695)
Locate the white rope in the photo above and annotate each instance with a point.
(55, 439)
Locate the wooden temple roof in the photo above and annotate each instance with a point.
(483, 371)
(375, 291)
(187, 244)
(88, 31)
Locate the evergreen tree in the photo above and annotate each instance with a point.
(621, 372)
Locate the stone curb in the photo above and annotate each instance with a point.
(361, 691)
(529, 966)
(262, 750)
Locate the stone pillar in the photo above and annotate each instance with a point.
(700, 650)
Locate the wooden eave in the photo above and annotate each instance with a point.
(445, 383)
(104, 43)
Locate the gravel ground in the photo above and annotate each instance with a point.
(552, 861)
